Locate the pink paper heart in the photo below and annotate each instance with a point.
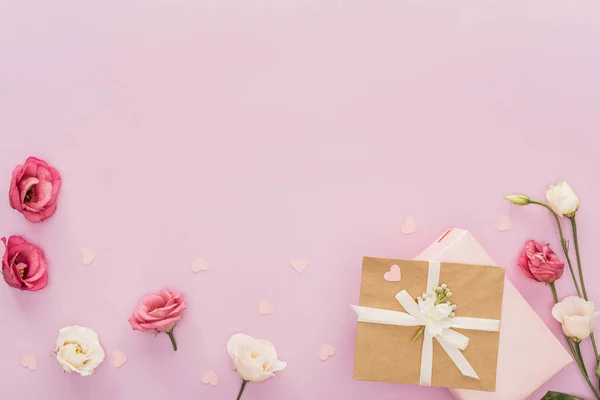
(409, 226)
(87, 256)
(198, 265)
(119, 358)
(326, 351)
(299, 264)
(393, 275)
(504, 223)
(30, 362)
(210, 378)
(264, 307)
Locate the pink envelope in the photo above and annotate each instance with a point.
(524, 338)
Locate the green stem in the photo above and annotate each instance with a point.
(563, 242)
(576, 241)
(569, 341)
(574, 225)
(242, 389)
(587, 378)
(173, 342)
(576, 352)
(419, 333)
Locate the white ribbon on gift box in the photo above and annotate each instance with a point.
(451, 341)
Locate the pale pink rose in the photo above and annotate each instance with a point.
(23, 265)
(33, 189)
(540, 263)
(576, 315)
(159, 313)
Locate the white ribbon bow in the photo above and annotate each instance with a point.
(451, 341)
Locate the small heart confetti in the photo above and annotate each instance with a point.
(198, 265)
(119, 358)
(264, 307)
(29, 362)
(299, 264)
(87, 256)
(393, 275)
(210, 378)
(504, 223)
(326, 351)
(409, 226)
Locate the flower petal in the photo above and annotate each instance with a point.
(26, 184)
(161, 325)
(568, 306)
(238, 342)
(42, 193)
(577, 326)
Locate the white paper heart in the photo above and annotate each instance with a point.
(409, 226)
(210, 378)
(87, 256)
(326, 351)
(198, 265)
(393, 275)
(29, 362)
(119, 358)
(265, 308)
(299, 264)
(504, 223)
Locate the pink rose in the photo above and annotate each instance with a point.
(33, 189)
(23, 264)
(159, 313)
(540, 263)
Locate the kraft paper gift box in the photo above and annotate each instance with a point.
(429, 342)
(529, 354)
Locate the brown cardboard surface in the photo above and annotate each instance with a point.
(385, 353)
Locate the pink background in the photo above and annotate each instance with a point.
(251, 132)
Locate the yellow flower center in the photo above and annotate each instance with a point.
(28, 195)
(78, 349)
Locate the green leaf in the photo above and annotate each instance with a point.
(598, 371)
(559, 396)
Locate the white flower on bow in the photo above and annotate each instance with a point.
(78, 350)
(435, 312)
(437, 318)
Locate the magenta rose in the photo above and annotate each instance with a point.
(23, 264)
(33, 189)
(540, 263)
(159, 313)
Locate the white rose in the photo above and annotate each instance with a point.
(562, 199)
(254, 359)
(78, 350)
(576, 315)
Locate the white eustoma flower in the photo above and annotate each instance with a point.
(78, 350)
(576, 315)
(562, 199)
(254, 359)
